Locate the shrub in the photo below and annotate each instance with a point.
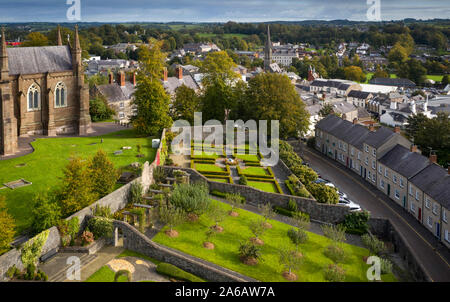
(175, 272)
(102, 211)
(357, 222)
(13, 272)
(87, 238)
(140, 212)
(171, 215)
(290, 259)
(297, 236)
(334, 273)
(243, 180)
(235, 200)
(257, 228)
(32, 249)
(103, 174)
(375, 246)
(136, 192)
(301, 220)
(45, 212)
(335, 233)
(123, 272)
(385, 266)
(266, 211)
(101, 227)
(335, 253)
(69, 229)
(159, 174)
(7, 226)
(292, 206)
(192, 198)
(99, 109)
(323, 193)
(169, 161)
(249, 250)
(31, 269)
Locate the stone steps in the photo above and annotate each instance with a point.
(61, 276)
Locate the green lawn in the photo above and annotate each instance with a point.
(247, 157)
(212, 35)
(209, 168)
(105, 274)
(236, 229)
(224, 180)
(44, 166)
(263, 186)
(255, 171)
(436, 78)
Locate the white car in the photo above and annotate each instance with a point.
(342, 195)
(352, 205)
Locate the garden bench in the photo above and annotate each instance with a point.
(49, 255)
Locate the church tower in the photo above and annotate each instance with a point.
(268, 52)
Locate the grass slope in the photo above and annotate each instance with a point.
(45, 165)
(236, 229)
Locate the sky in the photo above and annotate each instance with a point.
(218, 10)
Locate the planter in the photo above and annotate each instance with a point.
(92, 248)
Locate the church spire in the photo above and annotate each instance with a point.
(268, 51)
(76, 42)
(4, 72)
(59, 36)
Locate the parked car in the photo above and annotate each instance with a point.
(354, 207)
(342, 194)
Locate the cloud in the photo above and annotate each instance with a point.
(218, 11)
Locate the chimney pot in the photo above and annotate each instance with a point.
(397, 129)
(133, 79)
(413, 148)
(122, 79)
(111, 78)
(371, 128)
(165, 74)
(180, 73)
(433, 158)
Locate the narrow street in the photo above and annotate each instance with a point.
(435, 257)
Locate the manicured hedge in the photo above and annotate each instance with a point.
(213, 177)
(289, 186)
(170, 270)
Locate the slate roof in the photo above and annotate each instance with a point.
(33, 60)
(115, 93)
(379, 137)
(358, 136)
(399, 82)
(329, 123)
(173, 83)
(402, 160)
(435, 182)
(359, 94)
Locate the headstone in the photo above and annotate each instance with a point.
(155, 143)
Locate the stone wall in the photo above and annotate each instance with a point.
(384, 229)
(138, 242)
(317, 211)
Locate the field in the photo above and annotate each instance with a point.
(236, 229)
(45, 165)
(211, 35)
(436, 78)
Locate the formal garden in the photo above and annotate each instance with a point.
(44, 168)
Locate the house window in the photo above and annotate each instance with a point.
(380, 169)
(427, 201)
(359, 155)
(121, 105)
(430, 221)
(394, 178)
(353, 151)
(382, 183)
(401, 182)
(34, 97)
(367, 148)
(397, 194)
(367, 160)
(417, 195)
(435, 208)
(345, 147)
(374, 152)
(444, 215)
(413, 207)
(373, 164)
(121, 115)
(60, 95)
(447, 236)
(373, 177)
(386, 172)
(410, 190)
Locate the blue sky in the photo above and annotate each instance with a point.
(218, 11)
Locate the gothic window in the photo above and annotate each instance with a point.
(60, 95)
(34, 97)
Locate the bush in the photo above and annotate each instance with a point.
(335, 233)
(174, 272)
(103, 174)
(87, 238)
(45, 212)
(323, 193)
(357, 222)
(69, 229)
(171, 215)
(334, 273)
(375, 246)
(31, 269)
(136, 192)
(99, 109)
(101, 227)
(297, 236)
(102, 211)
(7, 226)
(249, 250)
(191, 198)
(335, 253)
(123, 272)
(292, 206)
(243, 180)
(386, 266)
(159, 175)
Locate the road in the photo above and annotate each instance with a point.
(435, 257)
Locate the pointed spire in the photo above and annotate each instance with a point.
(76, 43)
(59, 36)
(3, 57)
(269, 43)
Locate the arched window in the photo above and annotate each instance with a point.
(34, 97)
(60, 95)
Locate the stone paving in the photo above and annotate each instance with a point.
(140, 269)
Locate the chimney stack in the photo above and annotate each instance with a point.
(433, 158)
(165, 74)
(355, 121)
(111, 78)
(397, 129)
(122, 78)
(133, 79)
(372, 128)
(413, 148)
(179, 73)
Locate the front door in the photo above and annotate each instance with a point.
(404, 202)
(420, 214)
(389, 190)
(438, 230)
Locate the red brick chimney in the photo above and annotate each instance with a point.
(133, 79)
(413, 148)
(397, 129)
(122, 79)
(165, 73)
(433, 158)
(111, 78)
(179, 73)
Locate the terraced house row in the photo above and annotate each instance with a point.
(390, 162)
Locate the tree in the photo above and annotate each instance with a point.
(45, 212)
(445, 80)
(99, 109)
(102, 173)
(297, 236)
(326, 110)
(413, 70)
(150, 97)
(354, 73)
(323, 193)
(291, 261)
(380, 73)
(185, 104)
(172, 216)
(267, 212)
(35, 39)
(398, 54)
(217, 214)
(7, 226)
(235, 200)
(273, 97)
(257, 227)
(77, 189)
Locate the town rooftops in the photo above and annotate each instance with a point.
(399, 82)
(173, 83)
(116, 93)
(359, 94)
(435, 182)
(33, 60)
(403, 161)
(377, 138)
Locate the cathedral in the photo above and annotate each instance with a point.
(42, 91)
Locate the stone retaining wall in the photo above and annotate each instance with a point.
(138, 242)
(317, 211)
(384, 229)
